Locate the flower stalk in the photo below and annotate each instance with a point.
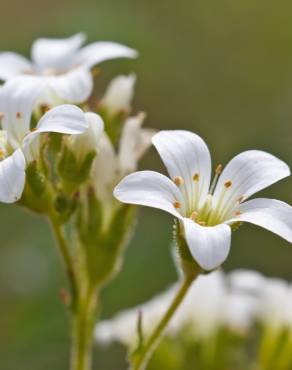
(141, 358)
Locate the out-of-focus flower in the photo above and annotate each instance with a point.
(119, 94)
(63, 65)
(210, 305)
(18, 138)
(206, 212)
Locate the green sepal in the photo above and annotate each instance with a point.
(187, 263)
(103, 246)
(37, 192)
(113, 125)
(65, 206)
(71, 171)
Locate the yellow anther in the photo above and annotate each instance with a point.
(194, 215)
(44, 108)
(227, 184)
(240, 199)
(196, 177)
(177, 205)
(218, 169)
(178, 180)
(18, 115)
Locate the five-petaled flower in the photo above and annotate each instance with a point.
(63, 65)
(207, 211)
(19, 141)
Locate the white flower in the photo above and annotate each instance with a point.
(119, 94)
(63, 65)
(206, 212)
(208, 306)
(111, 166)
(17, 100)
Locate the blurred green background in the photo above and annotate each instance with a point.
(220, 68)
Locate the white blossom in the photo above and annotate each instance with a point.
(207, 211)
(18, 140)
(63, 65)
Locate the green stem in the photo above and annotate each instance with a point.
(82, 333)
(66, 257)
(141, 359)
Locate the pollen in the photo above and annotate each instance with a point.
(194, 215)
(177, 205)
(196, 177)
(178, 180)
(18, 115)
(227, 184)
(237, 213)
(218, 169)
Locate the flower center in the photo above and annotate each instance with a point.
(213, 211)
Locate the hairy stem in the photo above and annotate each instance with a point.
(83, 321)
(66, 257)
(140, 360)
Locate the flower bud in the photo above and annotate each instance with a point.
(119, 94)
(84, 143)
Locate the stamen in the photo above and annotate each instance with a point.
(194, 215)
(196, 177)
(227, 184)
(44, 108)
(237, 213)
(1, 115)
(18, 115)
(240, 199)
(218, 171)
(178, 180)
(177, 205)
(2, 154)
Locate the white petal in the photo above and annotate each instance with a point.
(74, 86)
(56, 53)
(17, 99)
(185, 154)
(249, 172)
(208, 245)
(133, 143)
(105, 169)
(148, 188)
(98, 52)
(13, 64)
(12, 177)
(270, 214)
(88, 140)
(119, 94)
(65, 119)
